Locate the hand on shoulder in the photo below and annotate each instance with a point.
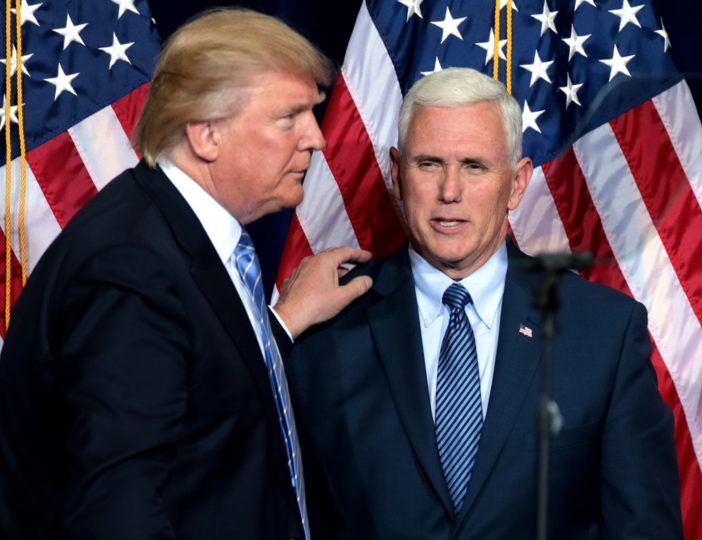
(312, 293)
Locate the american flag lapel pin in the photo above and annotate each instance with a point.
(525, 331)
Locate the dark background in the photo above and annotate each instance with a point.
(328, 24)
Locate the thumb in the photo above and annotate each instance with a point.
(358, 286)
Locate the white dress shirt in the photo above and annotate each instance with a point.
(223, 230)
(486, 287)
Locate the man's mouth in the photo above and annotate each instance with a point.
(448, 223)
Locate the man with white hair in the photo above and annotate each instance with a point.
(418, 402)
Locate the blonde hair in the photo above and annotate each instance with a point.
(206, 65)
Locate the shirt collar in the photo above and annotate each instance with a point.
(221, 227)
(486, 286)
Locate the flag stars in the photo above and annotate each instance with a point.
(27, 12)
(664, 34)
(575, 43)
(578, 3)
(489, 47)
(71, 32)
(62, 82)
(529, 118)
(13, 62)
(124, 6)
(627, 14)
(503, 3)
(547, 18)
(538, 69)
(117, 51)
(617, 64)
(571, 92)
(449, 26)
(437, 67)
(13, 113)
(414, 7)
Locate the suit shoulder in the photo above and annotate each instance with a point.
(578, 288)
(572, 288)
(352, 313)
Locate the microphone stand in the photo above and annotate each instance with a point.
(549, 420)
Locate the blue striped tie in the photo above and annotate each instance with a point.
(250, 272)
(459, 411)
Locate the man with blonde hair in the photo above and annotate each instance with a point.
(142, 390)
(418, 402)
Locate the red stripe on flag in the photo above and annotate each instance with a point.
(296, 248)
(128, 108)
(60, 172)
(671, 203)
(15, 287)
(580, 218)
(585, 232)
(352, 161)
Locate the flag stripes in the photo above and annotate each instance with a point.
(677, 112)
(669, 203)
(643, 260)
(40, 218)
(128, 107)
(64, 172)
(52, 163)
(103, 146)
(536, 220)
(580, 218)
(358, 175)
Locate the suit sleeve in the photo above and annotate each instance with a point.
(640, 488)
(122, 380)
(280, 333)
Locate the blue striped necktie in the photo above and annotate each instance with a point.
(459, 411)
(250, 272)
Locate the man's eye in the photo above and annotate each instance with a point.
(427, 164)
(474, 167)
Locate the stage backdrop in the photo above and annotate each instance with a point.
(608, 89)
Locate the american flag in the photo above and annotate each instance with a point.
(611, 127)
(85, 72)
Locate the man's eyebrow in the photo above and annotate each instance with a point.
(468, 160)
(425, 157)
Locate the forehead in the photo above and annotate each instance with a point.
(285, 86)
(474, 125)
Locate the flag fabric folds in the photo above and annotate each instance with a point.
(611, 127)
(85, 72)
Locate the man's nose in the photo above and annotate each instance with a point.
(450, 186)
(312, 138)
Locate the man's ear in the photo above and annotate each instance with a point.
(203, 139)
(395, 173)
(520, 181)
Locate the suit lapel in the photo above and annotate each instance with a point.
(212, 278)
(516, 364)
(395, 327)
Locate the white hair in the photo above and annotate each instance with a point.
(455, 87)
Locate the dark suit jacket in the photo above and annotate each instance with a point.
(134, 400)
(373, 471)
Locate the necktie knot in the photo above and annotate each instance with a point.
(245, 243)
(248, 267)
(456, 296)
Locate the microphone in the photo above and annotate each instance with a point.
(559, 261)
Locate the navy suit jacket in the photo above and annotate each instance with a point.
(134, 399)
(373, 471)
